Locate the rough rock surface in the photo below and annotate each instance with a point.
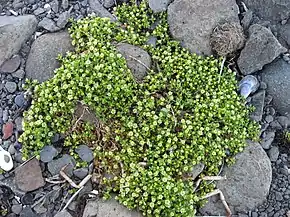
(11, 65)
(29, 176)
(14, 32)
(109, 208)
(247, 184)
(99, 9)
(55, 166)
(274, 10)
(48, 153)
(277, 77)
(85, 153)
(42, 60)
(159, 5)
(261, 48)
(63, 214)
(258, 102)
(134, 55)
(192, 22)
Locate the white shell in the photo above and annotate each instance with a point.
(7, 166)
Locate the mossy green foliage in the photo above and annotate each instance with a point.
(183, 113)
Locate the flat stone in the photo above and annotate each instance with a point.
(20, 100)
(100, 10)
(133, 54)
(275, 125)
(27, 212)
(277, 77)
(283, 121)
(38, 11)
(81, 173)
(110, 208)
(192, 22)
(261, 48)
(63, 214)
(197, 169)
(63, 19)
(258, 102)
(273, 10)
(159, 5)
(273, 154)
(48, 153)
(108, 3)
(7, 130)
(48, 24)
(39, 208)
(64, 4)
(268, 139)
(11, 86)
(247, 184)
(55, 166)
(11, 65)
(17, 208)
(54, 6)
(19, 74)
(85, 153)
(42, 60)
(12, 149)
(247, 19)
(18, 123)
(29, 176)
(15, 31)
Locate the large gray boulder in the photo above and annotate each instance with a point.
(247, 184)
(138, 60)
(110, 208)
(261, 48)
(273, 10)
(277, 77)
(14, 32)
(42, 59)
(192, 22)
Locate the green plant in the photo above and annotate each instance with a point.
(287, 136)
(152, 133)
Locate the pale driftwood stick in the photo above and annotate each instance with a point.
(72, 198)
(209, 178)
(55, 182)
(222, 197)
(68, 179)
(214, 178)
(71, 182)
(85, 180)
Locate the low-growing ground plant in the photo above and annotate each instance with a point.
(151, 133)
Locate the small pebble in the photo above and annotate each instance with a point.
(11, 65)
(11, 86)
(16, 209)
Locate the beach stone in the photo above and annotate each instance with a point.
(41, 61)
(277, 77)
(261, 48)
(11, 65)
(15, 31)
(133, 54)
(192, 22)
(247, 184)
(29, 176)
(273, 10)
(109, 208)
(55, 166)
